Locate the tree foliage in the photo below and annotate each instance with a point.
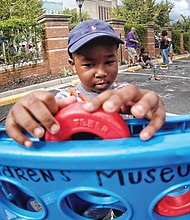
(182, 24)
(22, 9)
(176, 40)
(16, 33)
(143, 12)
(75, 18)
(20, 35)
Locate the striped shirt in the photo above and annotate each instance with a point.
(81, 94)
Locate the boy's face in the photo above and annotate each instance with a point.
(96, 64)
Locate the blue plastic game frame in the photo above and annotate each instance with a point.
(63, 180)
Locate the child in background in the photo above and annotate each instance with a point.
(170, 50)
(144, 59)
(93, 50)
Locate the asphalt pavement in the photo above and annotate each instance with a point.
(173, 86)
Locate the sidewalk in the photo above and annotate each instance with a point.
(13, 95)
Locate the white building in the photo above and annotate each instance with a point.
(97, 9)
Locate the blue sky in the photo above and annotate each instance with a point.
(181, 7)
(69, 4)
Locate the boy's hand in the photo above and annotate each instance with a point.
(130, 99)
(32, 110)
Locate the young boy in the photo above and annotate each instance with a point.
(92, 47)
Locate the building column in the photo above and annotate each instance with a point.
(56, 30)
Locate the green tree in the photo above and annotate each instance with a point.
(20, 9)
(143, 12)
(75, 18)
(19, 26)
(162, 11)
(182, 24)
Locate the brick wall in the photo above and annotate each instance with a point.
(55, 55)
(30, 70)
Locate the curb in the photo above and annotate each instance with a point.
(12, 96)
(175, 58)
(156, 61)
(134, 68)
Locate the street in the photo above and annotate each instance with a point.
(174, 87)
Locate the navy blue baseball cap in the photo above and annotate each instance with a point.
(89, 30)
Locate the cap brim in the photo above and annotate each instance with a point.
(88, 38)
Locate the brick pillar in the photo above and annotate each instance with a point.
(56, 36)
(149, 40)
(118, 26)
(182, 49)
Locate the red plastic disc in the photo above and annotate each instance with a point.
(74, 119)
(174, 205)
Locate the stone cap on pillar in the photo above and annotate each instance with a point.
(149, 25)
(54, 18)
(116, 21)
(166, 28)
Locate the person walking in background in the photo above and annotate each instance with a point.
(131, 44)
(164, 47)
(170, 50)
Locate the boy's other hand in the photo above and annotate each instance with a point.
(31, 113)
(138, 102)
